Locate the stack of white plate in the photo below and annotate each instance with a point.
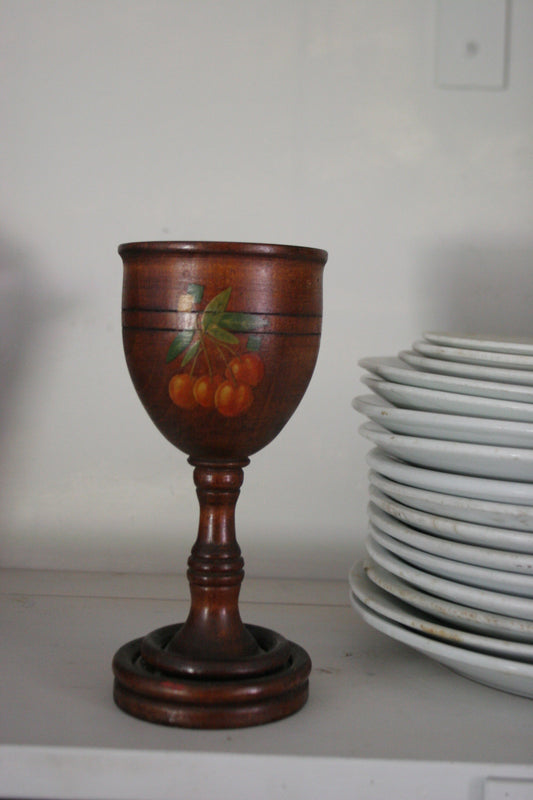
(449, 564)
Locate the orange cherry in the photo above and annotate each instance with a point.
(254, 368)
(247, 368)
(180, 389)
(233, 399)
(235, 370)
(204, 389)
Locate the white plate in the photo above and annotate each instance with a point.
(398, 371)
(496, 344)
(394, 609)
(481, 357)
(450, 427)
(515, 677)
(502, 548)
(463, 617)
(392, 518)
(420, 399)
(509, 463)
(463, 486)
(495, 580)
(518, 608)
(472, 371)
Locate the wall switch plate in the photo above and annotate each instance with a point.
(508, 789)
(471, 43)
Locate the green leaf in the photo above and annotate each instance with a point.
(253, 343)
(191, 352)
(215, 308)
(219, 302)
(180, 343)
(196, 291)
(222, 335)
(241, 323)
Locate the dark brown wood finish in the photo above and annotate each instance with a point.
(221, 340)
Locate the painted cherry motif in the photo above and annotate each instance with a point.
(228, 369)
(204, 389)
(181, 390)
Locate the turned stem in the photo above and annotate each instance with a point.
(214, 629)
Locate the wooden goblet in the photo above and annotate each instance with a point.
(221, 340)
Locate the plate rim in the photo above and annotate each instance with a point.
(422, 398)
(488, 600)
(467, 486)
(496, 344)
(409, 375)
(467, 616)
(522, 377)
(442, 421)
(459, 571)
(497, 462)
(500, 671)
(363, 587)
(459, 531)
(475, 357)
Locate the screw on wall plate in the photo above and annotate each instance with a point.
(471, 44)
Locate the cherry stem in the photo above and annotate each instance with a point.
(228, 370)
(206, 353)
(220, 345)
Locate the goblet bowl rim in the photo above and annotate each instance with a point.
(199, 247)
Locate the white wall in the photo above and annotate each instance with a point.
(312, 122)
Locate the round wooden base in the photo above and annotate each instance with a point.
(159, 686)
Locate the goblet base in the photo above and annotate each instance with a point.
(158, 686)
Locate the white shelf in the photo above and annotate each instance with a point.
(381, 722)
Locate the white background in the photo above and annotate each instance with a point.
(310, 122)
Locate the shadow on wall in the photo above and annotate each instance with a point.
(17, 320)
(26, 307)
(477, 287)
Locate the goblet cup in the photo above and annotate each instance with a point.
(220, 340)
